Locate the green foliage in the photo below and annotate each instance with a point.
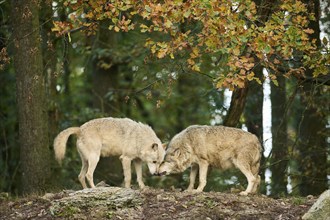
(232, 31)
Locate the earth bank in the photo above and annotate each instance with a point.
(121, 203)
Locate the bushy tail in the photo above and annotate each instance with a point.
(60, 142)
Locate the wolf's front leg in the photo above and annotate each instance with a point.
(138, 170)
(193, 174)
(126, 162)
(203, 166)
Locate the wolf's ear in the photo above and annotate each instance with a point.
(177, 152)
(154, 146)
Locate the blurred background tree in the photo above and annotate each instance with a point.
(175, 68)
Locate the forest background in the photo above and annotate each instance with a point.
(169, 64)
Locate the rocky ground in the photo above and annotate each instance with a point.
(120, 203)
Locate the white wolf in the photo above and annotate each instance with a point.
(123, 137)
(218, 146)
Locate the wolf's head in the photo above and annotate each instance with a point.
(152, 150)
(177, 159)
(154, 157)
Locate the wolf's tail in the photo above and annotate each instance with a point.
(60, 142)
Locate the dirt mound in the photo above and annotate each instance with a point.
(120, 203)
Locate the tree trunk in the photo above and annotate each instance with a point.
(279, 158)
(49, 62)
(254, 105)
(105, 83)
(312, 146)
(254, 117)
(9, 150)
(185, 116)
(240, 94)
(32, 109)
(236, 108)
(105, 78)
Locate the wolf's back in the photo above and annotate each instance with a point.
(60, 142)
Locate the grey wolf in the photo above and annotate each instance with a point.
(223, 147)
(123, 137)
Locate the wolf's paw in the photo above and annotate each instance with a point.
(193, 191)
(144, 188)
(189, 189)
(244, 193)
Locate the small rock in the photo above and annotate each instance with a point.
(310, 197)
(102, 184)
(4, 196)
(48, 196)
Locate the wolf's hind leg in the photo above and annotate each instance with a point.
(92, 162)
(126, 162)
(138, 170)
(246, 170)
(192, 177)
(255, 171)
(82, 174)
(256, 185)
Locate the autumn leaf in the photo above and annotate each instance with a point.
(117, 29)
(168, 24)
(147, 8)
(308, 31)
(187, 13)
(236, 51)
(250, 76)
(144, 28)
(196, 68)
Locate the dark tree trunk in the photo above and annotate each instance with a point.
(184, 118)
(254, 117)
(312, 144)
(9, 147)
(49, 62)
(279, 157)
(236, 108)
(105, 83)
(105, 78)
(32, 107)
(254, 105)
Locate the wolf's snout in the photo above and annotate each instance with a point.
(162, 173)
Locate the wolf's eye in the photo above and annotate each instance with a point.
(154, 161)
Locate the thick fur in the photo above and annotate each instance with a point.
(218, 146)
(123, 137)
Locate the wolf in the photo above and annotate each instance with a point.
(200, 146)
(123, 137)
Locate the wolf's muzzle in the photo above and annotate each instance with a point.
(162, 173)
